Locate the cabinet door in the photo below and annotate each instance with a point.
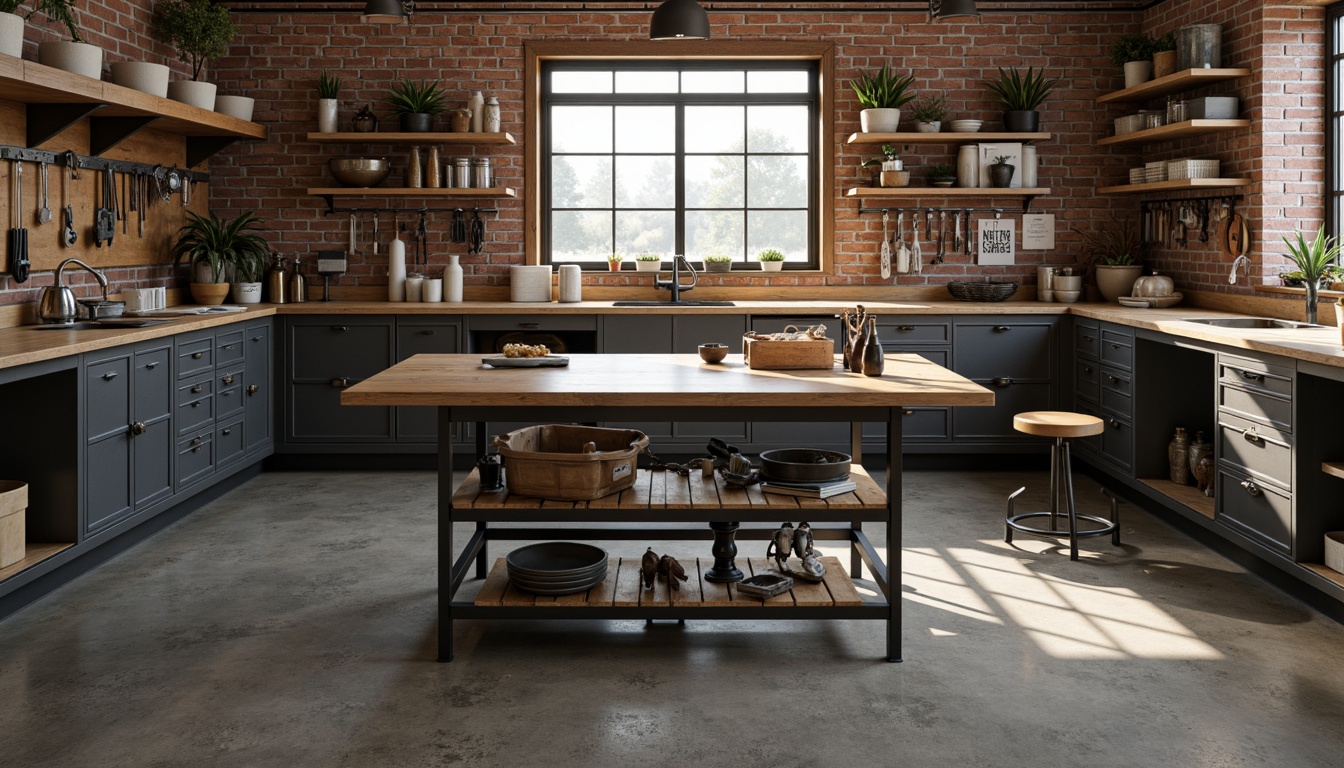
(1254, 509)
(1015, 357)
(257, 378)
(634, 334)
(151, 430)
(107, 452)
(419, 424)
(326, 355)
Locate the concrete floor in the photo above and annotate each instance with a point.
(291, 623)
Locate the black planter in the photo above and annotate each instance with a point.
(417, 122)
(1000, 176)
(1022, 121)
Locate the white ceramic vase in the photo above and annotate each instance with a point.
(142, 76)
(932, 126)
(968, 166)
(247, 293)
(1138, 73)
(193, 93)
(327, 117)
(879, 120)
(11, 34)
(235, 106)
(77, 58)
(452, 279)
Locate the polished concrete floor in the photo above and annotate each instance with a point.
(291, 623)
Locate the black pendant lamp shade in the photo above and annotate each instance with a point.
(386, 11)
(679, 20)
(946, 9)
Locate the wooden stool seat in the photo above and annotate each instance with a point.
(1058, 424)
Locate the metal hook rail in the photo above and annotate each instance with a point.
(998, 212)
(92, 162)
(421, 209)
(1228, 199)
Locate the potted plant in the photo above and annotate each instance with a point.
(614, 262)
(416, 105)
(718, 263)
(1134, 53)
(248, 266)
(1115, 250)
(890, 171)
(1164, 54)
(771, 260)
(648, 262)
(881, 95)
(1001, 172)
(1020, 95)
(211, 244)
(942, 175)
(328, 91)
(929, 113)
(11, 28)
(200, 31)
(1315, 261)
(73, 55)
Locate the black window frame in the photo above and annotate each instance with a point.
(812, 99)
(1334, 118)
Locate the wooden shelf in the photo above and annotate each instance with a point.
(413, 192)
(1168, 186)
(1335, 468)
(411, 138)
(1175, 131)
(942, 137)
(1188, 495)
(34, 554)
(57, 99)
(1326, 573)
(873, 192)
(1174, 83)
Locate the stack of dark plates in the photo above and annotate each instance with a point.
(557, 567)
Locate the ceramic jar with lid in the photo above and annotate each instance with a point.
(1154, 285)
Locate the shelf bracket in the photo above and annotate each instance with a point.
(1026, 203)
(331, 203)
(47, 120)
(107, 132)
(202, 148)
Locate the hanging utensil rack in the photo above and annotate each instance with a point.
(92, 162)
(419, 209)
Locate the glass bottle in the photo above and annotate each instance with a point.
(1178, 457)
(433, 170)
(860, 344)
(873, 359)
(414, 174)
(1199, 448)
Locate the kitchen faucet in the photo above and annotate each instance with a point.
(56, 303)
(674, 285)
(1240, 260)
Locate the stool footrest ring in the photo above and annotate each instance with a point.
(1107, 527)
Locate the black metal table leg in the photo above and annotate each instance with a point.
(445, 500)
(894, 525)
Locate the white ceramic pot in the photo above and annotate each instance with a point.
(194, 93)
(879, 120)
(930, 127)
(327, 115)
(235, 106)
(772, 266)
(247, 293)
(1138, 73)
(11, 34)
(77, 58)
(648, 266)
(142, 76)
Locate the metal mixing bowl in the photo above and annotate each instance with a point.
(360, 171)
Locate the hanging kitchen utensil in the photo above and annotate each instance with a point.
(966, 240)
(917, 256)
(18, 236)
(885, 255)
(422, 236)
(477, 236)
(104, 219)
(457, 232)
(44, 213)
(956, 232)
(69, 236)
(903, 250)
(1236, 234)
(351, 249)
(942, 237)
(1204, 221)
(375, 234)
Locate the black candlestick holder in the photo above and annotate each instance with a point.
(725, 570)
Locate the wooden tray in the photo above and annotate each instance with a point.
(764, 355)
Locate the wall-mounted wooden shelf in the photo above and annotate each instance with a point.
(871, 192)
(1169, 186)
(413, 192)
(1173, 83)
(1333, 468)
(411, 138)
(57, 99)
(942, 137)
(1175, 131)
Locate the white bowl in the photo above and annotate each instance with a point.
(1067, 297)
(965, 126)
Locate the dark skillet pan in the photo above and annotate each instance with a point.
(805, 465)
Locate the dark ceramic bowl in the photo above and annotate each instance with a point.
(713, 353)
(805, 465)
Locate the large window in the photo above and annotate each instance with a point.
(1334, 124)
(702, 158)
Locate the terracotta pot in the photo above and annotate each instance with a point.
(614, 266)
(1114, 282)
(209, 294)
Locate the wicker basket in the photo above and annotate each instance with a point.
(1190, 168)
(563, 461)
(971, 290)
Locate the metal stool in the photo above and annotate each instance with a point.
(1060, 425)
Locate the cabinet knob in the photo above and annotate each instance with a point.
(138, 428)
(196, 390)
(905, 328)
(1002, 328)
(1251, 436)
(1112, 379)
(1002, 381)
(1252, 376)
(196, 404)
(1115, 423)
(907, 413)
(340, 328)
(340, 381)
(227, 379)
(1250, 487)
(429, 332)
(196, 440)
(257, 338)
(253, 389)
(1089, 338)
(1087, 369)
(110, 375)
(197, 355)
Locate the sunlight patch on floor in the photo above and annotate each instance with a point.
(937, 584)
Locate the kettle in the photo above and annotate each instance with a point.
(56, 303)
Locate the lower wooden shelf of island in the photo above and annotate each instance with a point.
(34, 553)
(1188, 495)
(622, 589)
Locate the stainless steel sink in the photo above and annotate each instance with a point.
(682, 303)
(1250, 322)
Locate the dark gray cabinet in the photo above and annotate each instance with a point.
(1254, 448)
(324, 354)
(1103, 376)
(1016, 357)
(436, 335)
(258, 375)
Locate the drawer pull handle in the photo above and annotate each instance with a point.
(1002, 381)
(228, 431)
(196, 440)
(907, 413)
(1251, 487)
(196, 390)
(1112, 379)
(529, 325)
(196, 404)
(110, 375)
(1115, 423)
(258, 338)
(340, 381)
(1251, 436)
(253, 389)
(197, 355)
(1087, 369)
(1115, 346)
(427, 333)
(227, 379)
(151, 366)
(1252, 376)
(340, 328)
(905, 328)
(138, 428)
(1089, 338)
(1002, 328)
(228, 346)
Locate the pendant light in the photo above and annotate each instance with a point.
(946, 9)
(679, 20)
(387, 11)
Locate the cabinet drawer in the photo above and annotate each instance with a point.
(1115, 391)
(995, 423)
(414, 339)
(1255, 376)
(229, 444)
(228, 393)
(1087, 380)
(937, 356)
(1259, 511)
(339, 349)
(913, 331)
(1003, 349)
(153, 384)
(228, 347)
(1261, 452)
(1117, 441)
(195, 404)
(534, 322)
(195, 355)
(925, 424)
(1117, 349)
(195, 458)
(1115, 403)
(107, 388)
(1259, 407)
(1086, 339)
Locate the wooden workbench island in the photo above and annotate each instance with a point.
(597, 388)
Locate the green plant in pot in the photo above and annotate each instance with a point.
(929, 113)
(1001, 172)
(200, 31)
(648, 262)
(1021, 95)
(882, 94)
(1114, 249)
(1134, 53)
(1164, 54)
(416, 105)
(328, 93)
(771, 260)
(73, 55)
(210, 245)
(888, 170)
(942, 175)
(614, 262)
(1316, 261)
(718, 263)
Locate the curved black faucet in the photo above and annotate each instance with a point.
(674, 285)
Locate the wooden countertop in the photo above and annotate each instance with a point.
(659, 380)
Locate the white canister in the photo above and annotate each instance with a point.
(492, 115)
(432, 291)
(968, 166)
(452, 279)
(571, 283)
(1029, 165)
(477, 103)
(530, 283)
(414, 284)
(396, 271)
(1044, 288)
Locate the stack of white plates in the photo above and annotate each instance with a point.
(557, 567)
(965, 126)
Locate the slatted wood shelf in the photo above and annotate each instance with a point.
(622, 589)
(1175, 131)
(1176, 82)
(1169, 186)
(33, 554)
(1188, 495)
(1334, 468)
(944, 137)
(411, 138)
